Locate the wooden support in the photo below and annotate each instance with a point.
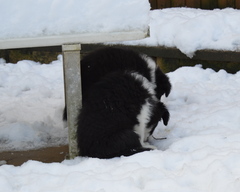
(73, 92)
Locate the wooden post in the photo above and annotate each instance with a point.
(73, 92)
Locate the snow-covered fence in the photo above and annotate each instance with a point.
(41, 23)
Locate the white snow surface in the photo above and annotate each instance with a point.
(191, 29)
(187, 29)
(202, 149)
(31, 100)
(201, 152)
(59, 17)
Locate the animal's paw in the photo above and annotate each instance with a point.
(148, 145)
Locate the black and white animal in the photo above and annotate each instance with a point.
(110, 59)
(121, 103)
(119, 114)
(103, 61)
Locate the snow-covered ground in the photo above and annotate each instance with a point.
(202, 149)
(31, 100)
(201, 152)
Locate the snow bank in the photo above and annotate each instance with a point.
(190, 29)
(56, 17)
(187, 29)
(202, 102)
(203, 171)
(204, 108)
(31, 100)
(201, 152)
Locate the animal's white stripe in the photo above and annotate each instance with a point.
(141, 128)
(151, 65)
(143, 118)
(149, 86)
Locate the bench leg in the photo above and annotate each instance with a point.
(73, 92)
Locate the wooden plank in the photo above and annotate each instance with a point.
(193, 3)
(46, 155)
(237, 4)
(163, 4)
(153, 4)
(178, 3)
(226, 3)
(73, 92)
(68, 39)
(209, 4)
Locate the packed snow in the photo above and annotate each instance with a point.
(187, 29)
(56, 17)
(201, 151)
(191, 29)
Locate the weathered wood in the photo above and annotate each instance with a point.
(193, 3)
(237, 4)
(226, 3)
(73, 92)
(178, 3)
(163, 4)
(209, 4)
(153, 4)
(204, 4)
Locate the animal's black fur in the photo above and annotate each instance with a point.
(103, 61)
(107, 121)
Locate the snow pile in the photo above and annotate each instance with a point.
(203, 170)
(194, 29)
(201, 152)
(184, 28)
(31, 97)
(187, 29)
(58, 17)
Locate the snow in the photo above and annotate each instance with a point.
(201, 151)
(191, 29)
(56, 17)
(187, 29)
(31, 95)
